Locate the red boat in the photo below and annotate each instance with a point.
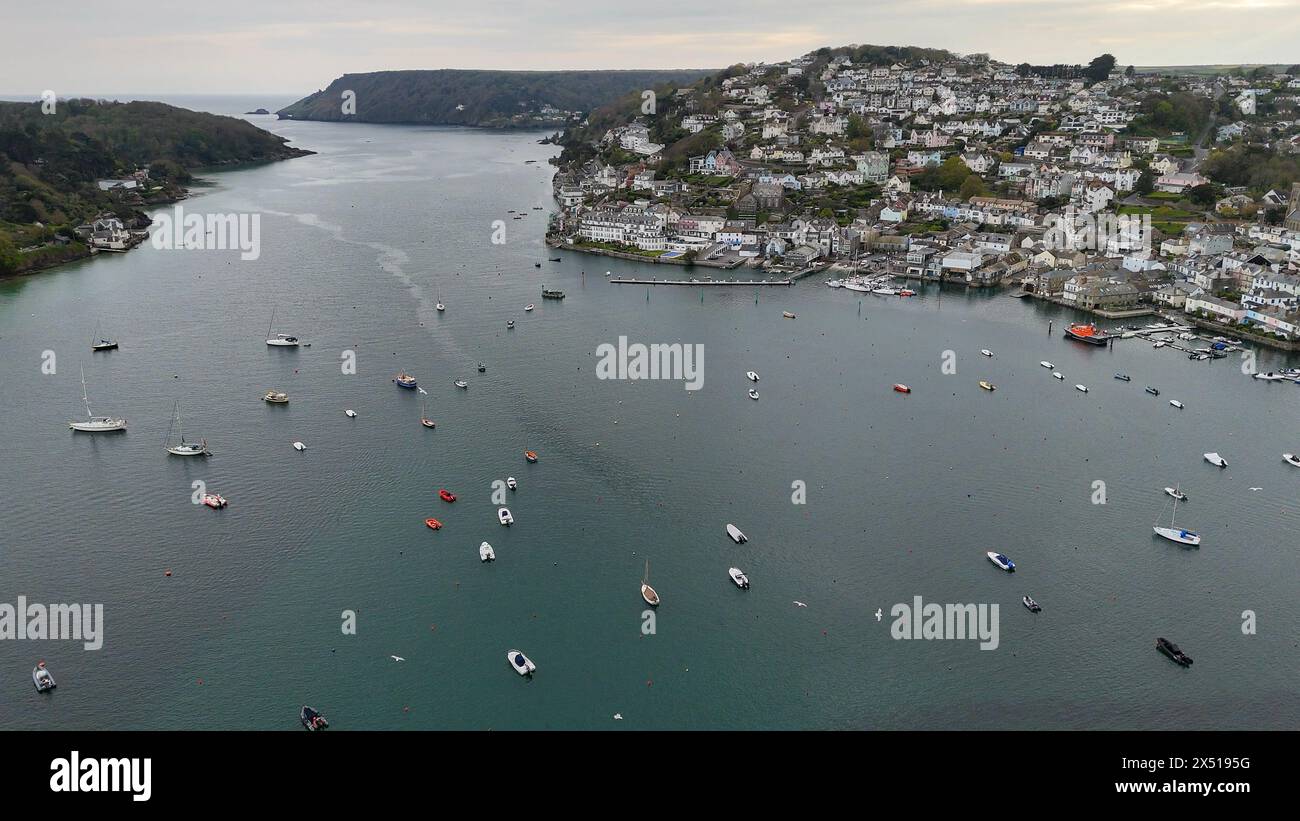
(1087, 333)
(433, 524)
(530, 455)
(446, 495)
(901, 388)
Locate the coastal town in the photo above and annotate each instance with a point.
(915, 164)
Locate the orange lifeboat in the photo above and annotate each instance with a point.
(1086, 333)
(446, 495)
(530, 455)
(433, 524)
(901, 388)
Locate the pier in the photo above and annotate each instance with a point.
(770, 282)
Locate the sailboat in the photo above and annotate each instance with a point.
(647, 592)
(183, 448)
(1175, 534)
(95, 424)
(279, 340)
(99, 343)
(424, 416)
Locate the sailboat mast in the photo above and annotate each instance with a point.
(270, 324)
(84, 398)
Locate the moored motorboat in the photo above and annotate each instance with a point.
(42, 679)
(1153, 391)
(529, 307)
(1123, 377)
(550, 293)
(753, 394)
(787, 315)
(985, 352)
(461, 383)
(1270, 377)
(901, 388)
(1216, 460)
(510, 323)
(511, 483)
(741, 580)
(988, 386)
(1081, 388)
(1001, 561)
(433, 524)
(1172, 650)
(349, 413)
(520, 663)
(753, 377)
(736, 535)
(530, 455)
(299, 446)
(275, 397)
(103, 345)
(1047, 365)
(405, 380)
(1176, 403)
(446, 495)
(1058, 375)
(1291, 459)
(482, 368)
(312, 719)
(504, 516)
(1031, 605)
(486, 553)
(215, 500)
(906, 292)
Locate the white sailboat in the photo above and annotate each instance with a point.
(95, 424)
(279, 340)
(647, 592)
(183, 448)
(1175, 534)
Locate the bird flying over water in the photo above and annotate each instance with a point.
(800, 604)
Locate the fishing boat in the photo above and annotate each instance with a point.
(183, 448)
(486, 553)
(299, 446)
(753, 394)
(736, 535)
(510, 323)
(405, 380)
(520, 663)
(1086, 333)
(988, 386)
(530, 306)
(1153, 391)
(349, 413)
(312, 719)
(901, 388)
(446, 495)
(1176, 534)
(647, 592)
(741, 580)
(1291, 459)
(1047, 365)
(1058, 375)
(530, 455)
(1176, 403)
(99, 343)
(1123, 377)
(504, 517)
(1216, 460)
(1002, 561)
(511, 483)
(787, 315)
(1031, 605)
(1081, 388)
(42, 679)
(1176, 493)
(461, 383)
(275, 397)
(753, 377)
(215, 500)
(280, 340)
(985, 352)
(95, 424)
(433, 524)
(1172, 650)
(550, 293)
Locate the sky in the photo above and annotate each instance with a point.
(296, 47)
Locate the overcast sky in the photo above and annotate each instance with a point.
(295, 46)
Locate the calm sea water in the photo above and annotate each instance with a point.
(904, 493)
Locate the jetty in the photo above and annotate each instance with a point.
(742, 282)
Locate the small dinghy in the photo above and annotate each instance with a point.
(312, 719)
(1081, 388)
(461, 383)
(511, 483)
(901, 388)
(1176, 403)
(1176, 493)
(521, 663)
(529, 307)
(433, 524)
(985, 352)
(299, 446)
(988, 386)
(1216, 460)
(486, 553)
(753, 377)
(1123, 377)
(1047, 365)
(446, 495)
(530, 455)
(427, 422)
(1291, 459)
(1059, 375)
(510, 324)
(1170, 649)
(1002, 561)
(349, 413)
(741, 580)
(276, 397)
(503, 516)
(787, 315)
(1031, 605)
(482, 368)
(753, 394)
(440, 307)
(42, 679)
(215, 500)
(647, 592)
(1152, 391)
(736, 535)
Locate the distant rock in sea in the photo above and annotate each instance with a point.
(259, 111)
